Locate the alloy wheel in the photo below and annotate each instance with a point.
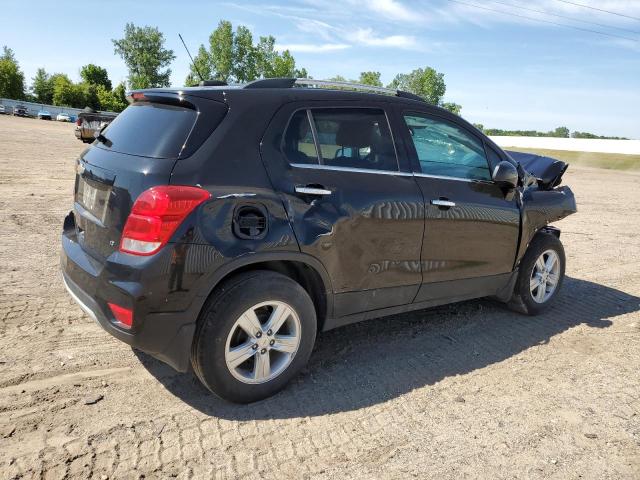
(263, 342)
(545, 276)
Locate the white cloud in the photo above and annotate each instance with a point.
(312, 48)
(392, 9)
(366, 36)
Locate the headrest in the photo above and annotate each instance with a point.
(354, 133)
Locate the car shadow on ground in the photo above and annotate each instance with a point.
(371, 362)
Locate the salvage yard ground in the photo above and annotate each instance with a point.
(467, 391)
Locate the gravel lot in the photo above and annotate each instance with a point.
(466, 391)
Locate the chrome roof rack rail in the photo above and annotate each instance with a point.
(347, 85)
(311, 82)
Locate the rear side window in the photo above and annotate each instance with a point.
(445, 149)
(150, 130)
(346, 137)
(355, 137)
(298, 144)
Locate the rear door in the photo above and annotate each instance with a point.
(352, 205)
(138, 151)
(471, 226)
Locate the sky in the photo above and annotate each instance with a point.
(506, 71)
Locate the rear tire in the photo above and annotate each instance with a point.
(540, 275)
(243, 361)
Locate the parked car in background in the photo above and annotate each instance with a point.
(89, 122)
(222, 228)
(2, 110)
(44, 115)
(63, 117)
(20, 111)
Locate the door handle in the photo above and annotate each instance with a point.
(443, 203)
(308, 190)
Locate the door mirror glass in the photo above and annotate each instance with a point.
(506, 175)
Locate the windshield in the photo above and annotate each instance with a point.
(150, 130)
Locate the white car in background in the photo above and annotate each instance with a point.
(2, 110)
(63, 117)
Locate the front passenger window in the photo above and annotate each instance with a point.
(445, 149)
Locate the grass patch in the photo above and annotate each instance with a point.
(612, 161)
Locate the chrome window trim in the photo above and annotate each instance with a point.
(459, 179)
(314, 134)
(350, 169)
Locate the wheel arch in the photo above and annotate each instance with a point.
(302, 268)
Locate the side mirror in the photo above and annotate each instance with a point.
(506, 175)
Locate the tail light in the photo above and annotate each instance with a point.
(155, 216)
(79, 121)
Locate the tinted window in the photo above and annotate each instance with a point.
(445, 149)
(150, 130)
(298, 144)
(356, 138)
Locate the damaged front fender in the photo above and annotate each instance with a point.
(540, 208)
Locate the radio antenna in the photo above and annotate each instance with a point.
(195, 67)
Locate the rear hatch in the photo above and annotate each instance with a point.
(136, 151)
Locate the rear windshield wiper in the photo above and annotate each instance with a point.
(101, 138)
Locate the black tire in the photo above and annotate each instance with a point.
(522, 299)
(219, 315)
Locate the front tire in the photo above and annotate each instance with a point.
(540, 276)
(254, 335)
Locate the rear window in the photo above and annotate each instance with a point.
(150, 130)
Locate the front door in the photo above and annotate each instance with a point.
(471, 226)
(351, 205)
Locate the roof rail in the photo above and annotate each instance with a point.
(310, 82)
(271, 83)
(349, 85)
(213, 83)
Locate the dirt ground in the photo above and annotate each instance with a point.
(466, 391)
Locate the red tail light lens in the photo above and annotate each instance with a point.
(124, 316)
(78, 121)
(156, 214)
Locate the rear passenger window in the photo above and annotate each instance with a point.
(445, 149)
(298, 145)
(346, 137)
(355, 138)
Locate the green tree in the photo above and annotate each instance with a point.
(266, 56)
(112, 100)
(426, 83)
(95, 75)
(202, 61)
(221, 51)
(66, 93)
(338, 78)
(452, 107)
(370, 78)
(562, 132)
(11, 77)
(42, 86)
(8, 54)
(284, 65)
(142, 50)
(244, 68)
(233, 57)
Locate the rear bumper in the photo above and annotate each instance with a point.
(166, 336)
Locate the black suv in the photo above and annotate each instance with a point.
(222, 227)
